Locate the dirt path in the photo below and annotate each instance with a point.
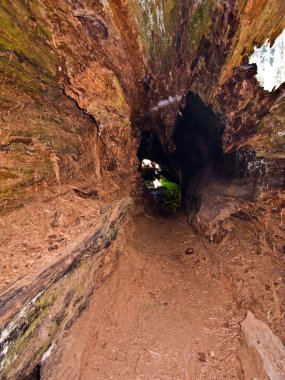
(164, 314)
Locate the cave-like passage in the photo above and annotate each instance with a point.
(198, 159)
(165, 192)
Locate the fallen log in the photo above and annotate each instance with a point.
(266, 349)
(34, 315)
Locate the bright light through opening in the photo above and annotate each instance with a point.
(153, 165)
(146, 162)
(156, 183)
(270, 63)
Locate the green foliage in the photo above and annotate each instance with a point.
(148, 183)
(168, 194)
(171, 195)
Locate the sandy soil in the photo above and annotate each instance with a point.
(164, 314)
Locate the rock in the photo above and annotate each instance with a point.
(189, 251)
(202, 357)
(266, 349)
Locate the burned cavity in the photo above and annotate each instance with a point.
(199, 153)
(198, 160)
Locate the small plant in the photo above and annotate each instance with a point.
(148, 183)
(171, 195)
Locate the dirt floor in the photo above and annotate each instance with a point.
(164, 314)
(173, 307)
